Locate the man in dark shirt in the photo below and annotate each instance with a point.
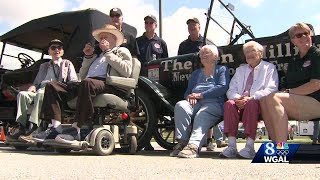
(195, 41)
(129, 40)
(151, 46)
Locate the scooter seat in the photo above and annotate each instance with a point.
(104, 100)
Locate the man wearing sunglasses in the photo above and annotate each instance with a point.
(57, 69)
(129, 40)
(151, 46)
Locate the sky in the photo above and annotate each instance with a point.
(265, 17)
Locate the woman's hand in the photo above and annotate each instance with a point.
(242, 101)
(194, 97)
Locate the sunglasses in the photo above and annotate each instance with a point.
(299, 35)
(148, 22)
(53, 48)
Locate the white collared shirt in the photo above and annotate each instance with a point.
(265, 81)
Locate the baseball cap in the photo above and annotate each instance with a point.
(115, 11)
(151, 17)
(194, 19)
(55, 41)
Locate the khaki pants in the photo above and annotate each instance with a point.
(24, 101)
(308, 107)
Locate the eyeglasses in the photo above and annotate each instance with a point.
(299, 35)
(53, 48)
(148, 22)
(114, 15)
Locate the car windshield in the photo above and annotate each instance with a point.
(10, 56)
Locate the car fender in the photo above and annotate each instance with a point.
(156, 91)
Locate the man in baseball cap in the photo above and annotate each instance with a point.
(151, 46)
(129, 40)
(115, 12)
(194, 19)
(151, 17)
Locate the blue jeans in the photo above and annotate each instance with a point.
(193, 123)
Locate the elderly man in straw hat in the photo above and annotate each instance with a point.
(113, 61)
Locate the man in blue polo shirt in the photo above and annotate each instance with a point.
(195, 41)
(151, 46)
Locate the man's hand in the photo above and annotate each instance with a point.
(32, 89)
(88, 49)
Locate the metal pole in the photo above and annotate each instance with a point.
(160, 18)
(207, 23)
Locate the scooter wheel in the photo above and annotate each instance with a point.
(104, 143)
(133, 144)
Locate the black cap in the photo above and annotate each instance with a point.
(55, 41)
(194, 19)
(115, 11)
(151, 17)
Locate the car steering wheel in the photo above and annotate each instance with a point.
(25, 60)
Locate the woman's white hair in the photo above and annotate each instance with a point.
(212, 48)
(253, 44)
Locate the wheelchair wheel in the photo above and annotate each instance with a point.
(104, 144)
(133, 144)
(21, 148)
(144, 118)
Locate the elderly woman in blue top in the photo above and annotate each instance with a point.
(203, 104)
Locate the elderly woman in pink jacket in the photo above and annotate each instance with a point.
(251, 82)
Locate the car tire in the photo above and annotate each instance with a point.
(164, 133)
(147, 125)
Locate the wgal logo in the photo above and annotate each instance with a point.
(276, 153)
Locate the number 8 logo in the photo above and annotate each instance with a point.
(269, 149)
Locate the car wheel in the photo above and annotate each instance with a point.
(144, 118)
(165, 133)
(104, 143)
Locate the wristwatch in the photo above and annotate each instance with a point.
(287, 91)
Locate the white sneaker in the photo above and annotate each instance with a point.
(247, 153)
(229, 152)
(210, 146)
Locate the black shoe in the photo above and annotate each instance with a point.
(53, 133)
(16, 135)
(72, 132)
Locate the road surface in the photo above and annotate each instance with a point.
(39, 164)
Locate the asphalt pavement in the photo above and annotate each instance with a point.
(38, 164)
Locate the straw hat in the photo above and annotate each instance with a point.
(108, 28)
